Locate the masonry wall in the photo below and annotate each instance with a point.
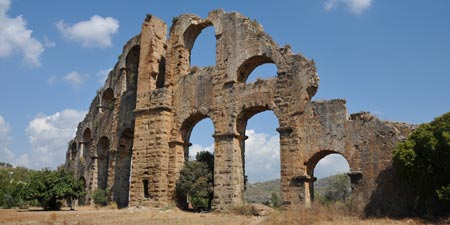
(138, 138)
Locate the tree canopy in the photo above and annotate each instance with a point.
(197, 180)
(423, 161)
(49, 187)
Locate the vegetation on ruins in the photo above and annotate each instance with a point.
(423, 161)
(196, 181)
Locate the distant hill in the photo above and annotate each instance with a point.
(260, 192)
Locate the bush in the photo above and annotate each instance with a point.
(50, 188)
(101, 197)
(11, 180)
(423, 162)
(245, 210)
(196, 181)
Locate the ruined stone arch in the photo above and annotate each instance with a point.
(73, 151)
(171, 98)
(312, 162)
(103, 152)
(82, 199)
(87, 141)
(247, 67)
(122, 169)
(188, 27)
(132, 67)
(108, 99)
(241, 124)
(188, 125)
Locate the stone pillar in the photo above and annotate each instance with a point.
(357, 198)
(149, 173)
(294, 181)
(228, 171)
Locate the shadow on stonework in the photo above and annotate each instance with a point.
(392, 197)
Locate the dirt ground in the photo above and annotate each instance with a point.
(131, 216)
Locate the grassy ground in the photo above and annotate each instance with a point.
(91, 215)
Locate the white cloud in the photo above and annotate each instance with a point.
(7, 155)
(16, 38)
(75, 79)
(103, 74)
(262, 156)
(353, 6)
(96, 32)
(49, 135)
(330, 165)
(195, 148)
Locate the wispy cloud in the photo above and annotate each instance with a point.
(103, 74)
(15, 37)
(75, 79)
(96, 32)
(356, 7)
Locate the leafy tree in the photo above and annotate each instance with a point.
(197, 179)
(423, 161)
(275, 200)
(11, 179)
(101, 197)
(50, 187)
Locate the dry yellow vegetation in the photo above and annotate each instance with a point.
(91, 215)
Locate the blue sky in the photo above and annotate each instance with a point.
(388, 57)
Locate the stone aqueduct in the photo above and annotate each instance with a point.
(135, 137)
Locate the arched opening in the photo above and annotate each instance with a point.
(82, 199)
(102, 163)
(108, 99)
(86, 145)
(256, 67)
(260, 147)
(73, 151)
(200, 39)
(132, 66)
(122, 170)
(329, 181)
(197, 133)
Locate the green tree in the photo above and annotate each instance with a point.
(423, 161)
(11, 179)
(50, 187)
(275, 200)
(197, 179)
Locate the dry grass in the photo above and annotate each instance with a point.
(105, 215)
(332, 215)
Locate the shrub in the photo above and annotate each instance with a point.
(100, 197)
(245, 210)
(49, 188)
(422, 161)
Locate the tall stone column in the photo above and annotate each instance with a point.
(294, 181)
(176, 161)
(357, 198)
(228, 171)
(149, 172)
